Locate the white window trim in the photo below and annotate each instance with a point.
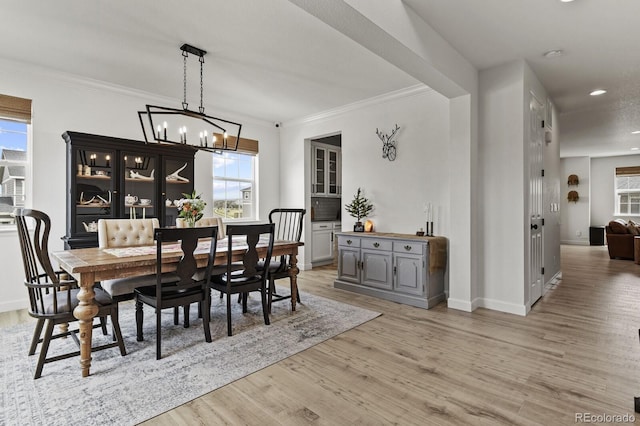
(28, 164)
(254, 189)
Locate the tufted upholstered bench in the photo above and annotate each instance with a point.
(126, 233)
(205, 221)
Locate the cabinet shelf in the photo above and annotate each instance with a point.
(86, 206)
(99, 177)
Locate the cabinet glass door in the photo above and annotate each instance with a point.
(138, 195)
(333, 173)
(94, 186)
(178, 180)
(320, 165)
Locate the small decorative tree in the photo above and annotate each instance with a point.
(360, 207)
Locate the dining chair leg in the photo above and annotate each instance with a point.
(103, 325)
(159, 332)
(186, 315)
(228, 314)
(139, 318)
(245, 296)
(36, 336)
(176, 316)
(117, 333)
(271, 290)
(206, 313)
(44, 349)
(265, 308)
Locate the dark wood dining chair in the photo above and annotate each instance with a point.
(288, 227)
(52, 299)
(186, 287)
(251, 277)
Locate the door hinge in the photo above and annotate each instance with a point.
(542, 270)
(542, 124)
(543, 221)
(542, 172)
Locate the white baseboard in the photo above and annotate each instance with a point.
(575, 242)
(14, 305)
(460, 305)
(499, 305)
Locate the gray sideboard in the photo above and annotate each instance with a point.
(398, 267)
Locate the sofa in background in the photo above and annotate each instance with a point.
(620, 238)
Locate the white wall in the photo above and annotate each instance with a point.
(576, 215)
(502, 183)
(552, 195)
(64, 102)
(398, 189)
(603, 171)
(505, 93)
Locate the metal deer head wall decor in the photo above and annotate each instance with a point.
(388, 143)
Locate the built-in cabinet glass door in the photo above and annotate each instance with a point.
(178, 180)
(94, 188)
(139, 190)
(320, 166)
(333, 181)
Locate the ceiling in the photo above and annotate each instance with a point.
(272, 60)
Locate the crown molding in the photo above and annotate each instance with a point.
(146, 97)
(406, 92)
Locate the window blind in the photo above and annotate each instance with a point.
(245, 146)
(15, 108)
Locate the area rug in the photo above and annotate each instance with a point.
(128, 390)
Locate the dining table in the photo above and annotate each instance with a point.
(89, 266)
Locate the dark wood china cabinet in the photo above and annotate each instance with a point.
(110, 177)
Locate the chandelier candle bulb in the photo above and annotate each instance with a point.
(165, 130)
(108, 159)
(159, 128)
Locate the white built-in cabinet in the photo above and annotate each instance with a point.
(389, 266)
(326, 177)
(322, 241)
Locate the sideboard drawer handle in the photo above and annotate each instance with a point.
(376, 245)
(349, 242)
(407, 248)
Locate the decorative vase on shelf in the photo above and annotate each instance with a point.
(191, 222)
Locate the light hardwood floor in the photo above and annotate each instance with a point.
(576, 352)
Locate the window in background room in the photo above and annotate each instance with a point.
(15, 125)
(627, 191)
(234, 185)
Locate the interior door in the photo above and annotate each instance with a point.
(536, 138)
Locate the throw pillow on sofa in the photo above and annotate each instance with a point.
(618, 226)
(633, 227)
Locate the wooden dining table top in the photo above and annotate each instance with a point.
(108, 263)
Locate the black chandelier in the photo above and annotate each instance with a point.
(187, 127)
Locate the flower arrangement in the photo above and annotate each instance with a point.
(190, 208)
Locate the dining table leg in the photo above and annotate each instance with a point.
(293, 273)
(85, 312)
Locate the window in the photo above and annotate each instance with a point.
(15, 120)
(627, 191)
(234, 185)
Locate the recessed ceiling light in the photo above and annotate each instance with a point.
(553, 53)
(635, 148)
(598, 92)
(566, 1)
(635, 132)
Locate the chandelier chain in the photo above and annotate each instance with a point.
(185, 105)
(201, 109)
